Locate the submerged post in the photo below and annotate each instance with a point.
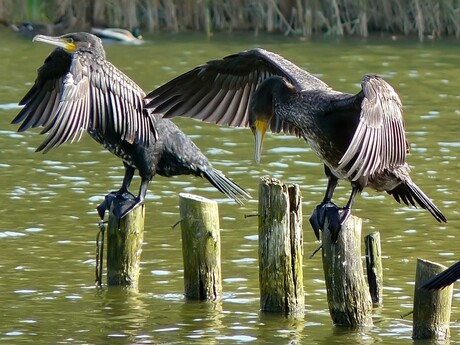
(348, 296)
(374, 267)
(124, 247)
(200, 247)
(280, 247)
(431, 307)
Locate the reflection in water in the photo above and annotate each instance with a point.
(48, 219)
(201, 320)
(286, 329)
(124, 314)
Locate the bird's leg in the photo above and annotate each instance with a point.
(124, 207)
(327, 208)
(336, 219)
(129, 174)
(121, 194)
(346, 211)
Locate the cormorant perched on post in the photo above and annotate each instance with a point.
(77, 89)
(360, 138)
(443, 279)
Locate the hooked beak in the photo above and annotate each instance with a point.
(65, 43)
(261, 127)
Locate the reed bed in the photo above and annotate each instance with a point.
(305, 18)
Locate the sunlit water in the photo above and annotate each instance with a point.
(49, 223)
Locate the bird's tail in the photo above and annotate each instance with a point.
(409, 193)
(443, 279)
(226, 186)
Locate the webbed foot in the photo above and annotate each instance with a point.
(325, 210)
(331, 212)
(122, 208)
(120, 198)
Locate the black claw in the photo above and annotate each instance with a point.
(346, 212)
(101, 209)
(315, 223)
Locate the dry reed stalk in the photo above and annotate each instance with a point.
(336, 16)
(434, 18)
(6, 11)
(419, 21)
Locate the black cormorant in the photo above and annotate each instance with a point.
(360, 138)
(77, 89)
(174, 154)
(443, 279)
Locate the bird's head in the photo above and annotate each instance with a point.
(273, 90)
(259, 121)
(262, 109)
(73, 41)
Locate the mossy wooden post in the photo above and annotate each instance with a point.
(348, 296)
(431, 307)
(374, 267)
(124, 247)
(280, 247)
(200, 247)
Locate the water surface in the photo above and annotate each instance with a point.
(49, 222)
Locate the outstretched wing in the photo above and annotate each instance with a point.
(41, 101)
(220, 91)
(73, 93)
(118, 105)
(379, 141)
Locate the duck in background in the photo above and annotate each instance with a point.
(70, 23)
(61, 26)
(119, 35)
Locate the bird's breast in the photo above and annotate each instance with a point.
(113, 146)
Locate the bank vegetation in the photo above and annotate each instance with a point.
(306, 18)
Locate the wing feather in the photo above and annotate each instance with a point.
(379, 141)
(225, 87)
(78, 92)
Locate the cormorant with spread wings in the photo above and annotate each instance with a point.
(78, 90)
(360, 138)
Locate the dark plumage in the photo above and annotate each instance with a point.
(174, 154)
(77, 89)
(443, 279)
(360, 138)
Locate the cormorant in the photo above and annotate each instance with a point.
(77, 89)
(360, 138)
(174, 153)
(443, 279)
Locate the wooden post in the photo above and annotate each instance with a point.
(431, 307)
(348, 296)
(280, 247)
(374, 267)
(124, 247)
(200, 247)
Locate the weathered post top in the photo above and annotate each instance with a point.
(200, 247)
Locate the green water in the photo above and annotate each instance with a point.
(48, 221)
